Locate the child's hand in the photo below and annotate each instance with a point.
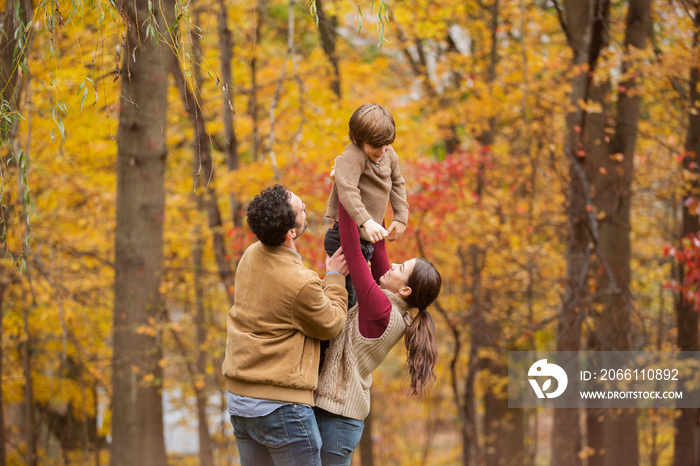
(332, 174)
(395, 230)
(372, 231)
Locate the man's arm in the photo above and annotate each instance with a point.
(320, 308)
(320, 311)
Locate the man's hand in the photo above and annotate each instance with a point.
(372, 231)
(395, 230)
(337, 263)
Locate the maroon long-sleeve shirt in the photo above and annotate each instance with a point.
(374, 307)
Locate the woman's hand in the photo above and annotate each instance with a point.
(395, 230)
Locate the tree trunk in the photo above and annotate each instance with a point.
(16, 16)
(253, 101)
(137, 412)
(504, 428)
(596, 153)
(3, 452)
(204, 175)
(686, 441)
(481, 337)
(14, 20)
(613, 189)
(201, 145)
(327, 28)
(229, 112)
(95, 409)
(454, 359)
(566, 436)
(29, 424)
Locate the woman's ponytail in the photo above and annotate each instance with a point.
(421, 344)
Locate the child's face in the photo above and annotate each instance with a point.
(375, 154)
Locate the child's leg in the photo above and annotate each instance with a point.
(331, 243)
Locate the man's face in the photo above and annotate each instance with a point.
(300, 209)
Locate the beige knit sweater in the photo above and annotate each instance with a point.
(365, 189)
(346, 376)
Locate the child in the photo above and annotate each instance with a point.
(366, 179)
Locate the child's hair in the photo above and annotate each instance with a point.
(425, 282)
(372, 124)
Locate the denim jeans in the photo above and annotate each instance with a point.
(340, 436)
(287, 436)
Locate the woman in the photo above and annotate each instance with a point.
(374, 325)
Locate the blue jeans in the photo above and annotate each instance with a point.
(287, 436)
(340, 436)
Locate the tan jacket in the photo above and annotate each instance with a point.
(282, 310)
(365, 189)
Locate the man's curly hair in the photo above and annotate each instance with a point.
(270, 215)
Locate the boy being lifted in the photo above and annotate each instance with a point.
(366, 179)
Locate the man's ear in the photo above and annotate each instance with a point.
(291, 234)
(405, 291)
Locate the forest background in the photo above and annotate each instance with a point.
(549, 148)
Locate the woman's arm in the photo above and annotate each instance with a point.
(374, 307)
(380, 262)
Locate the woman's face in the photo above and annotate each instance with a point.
(396, 277)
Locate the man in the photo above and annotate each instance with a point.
(282, 310)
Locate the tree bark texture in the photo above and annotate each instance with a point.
(686, 442)
(229, 112)
(327, 28)
(201, 145)
(202, 161)
(3, 452)
(577, 22)
(612, 187)
(137, 419)
(204, 179)
(28, 402)
(16, 16)
(253, 102)
(594, 156)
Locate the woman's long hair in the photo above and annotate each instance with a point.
(421, 344)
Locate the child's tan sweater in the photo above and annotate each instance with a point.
(365, 189)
